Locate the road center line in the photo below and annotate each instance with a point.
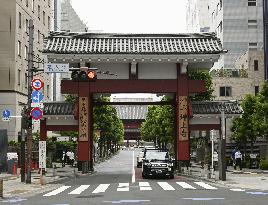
(133, 168)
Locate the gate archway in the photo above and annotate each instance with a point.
(144, 63)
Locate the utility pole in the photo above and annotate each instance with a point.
(222, 150)
(265, 38)
(30, 78)
(22, 144)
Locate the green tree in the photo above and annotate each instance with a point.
(203, 75)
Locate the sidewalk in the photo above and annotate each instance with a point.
(13, 187)
(245, 179)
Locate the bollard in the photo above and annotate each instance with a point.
(1, 188)
(54, 170)
(14, 169)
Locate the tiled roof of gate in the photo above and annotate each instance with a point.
(215, 108)
(140, 111)
(105, 43)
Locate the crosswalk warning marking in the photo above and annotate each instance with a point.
(123, 187)
(166, 186)
(80, 189)
(145, 186)
(101, 188)
(185, 185)
(57, 191)
(206, 186)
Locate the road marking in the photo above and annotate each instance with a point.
(126, 201)
(57, 191)
(237, 189)
(203, 199)
(133, 168)
(123, 187)
(206, 186)
(80, 189)
(101, 188)
(257, 193)
(166, 186)
(145, 186)
(185, 185)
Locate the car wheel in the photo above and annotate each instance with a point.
(144, 176)
(171, 176)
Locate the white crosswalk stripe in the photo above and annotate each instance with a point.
(206, 186)
(145, 186)
(80, 189)
(57, 191)
(123, 187)
(101, 188)
(166, 186)
(185, 185)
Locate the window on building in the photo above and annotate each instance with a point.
(47, 91)
(256, 65)
(20, 19)
(220, 4)
(19, 73)
(48, 22)
(252, 46)
(26, 53)
(38, 36)
(225, 91)
(257, 90)
(39, 12)
(220, 27)
(33, 4)
(252, 24)
(252, 2)
(44, 18)
(26, 26)
(25, 80)
(19, 48)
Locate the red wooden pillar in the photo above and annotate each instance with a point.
(43, 130)
(84, 122)
(182, 118)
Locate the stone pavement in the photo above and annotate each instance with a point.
(245, 179)
(13, 187)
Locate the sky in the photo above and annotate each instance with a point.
(133, 16)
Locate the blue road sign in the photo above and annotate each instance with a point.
(36, 113)
(37, 96)
(6, 114)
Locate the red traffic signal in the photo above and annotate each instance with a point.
(84, 75)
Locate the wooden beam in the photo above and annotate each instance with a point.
(205, 127)
(62, 128)
(133, 86)
(134, 103)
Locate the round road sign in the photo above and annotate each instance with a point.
(37, 84)
(36, 113)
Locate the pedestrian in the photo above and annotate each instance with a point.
(238, 159)
(233, 156)
(63, 159)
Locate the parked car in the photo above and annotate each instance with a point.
(157, 163)
(140, 157)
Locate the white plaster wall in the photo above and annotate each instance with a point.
(62, 120)
(157, 71)
(205, 120)
(121, 69)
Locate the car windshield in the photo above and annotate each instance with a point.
(156, 156)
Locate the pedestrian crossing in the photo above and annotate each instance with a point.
(126, 187)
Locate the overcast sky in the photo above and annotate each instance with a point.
(133, 16)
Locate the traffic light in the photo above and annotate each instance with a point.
(29, 122)
(84, 75)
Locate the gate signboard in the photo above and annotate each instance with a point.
(83, 119)
(42, 154)
(183, 118)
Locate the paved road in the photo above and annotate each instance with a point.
(118, 182)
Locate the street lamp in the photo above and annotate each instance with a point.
(222, 158)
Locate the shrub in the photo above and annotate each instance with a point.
(264, 164)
